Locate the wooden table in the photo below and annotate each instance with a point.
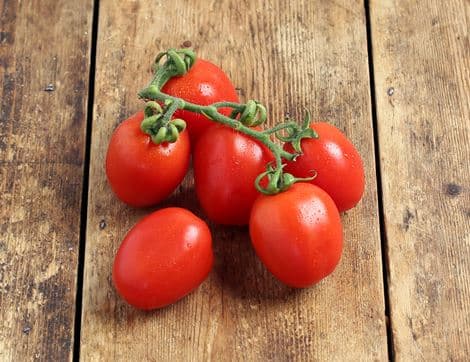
(393, 74)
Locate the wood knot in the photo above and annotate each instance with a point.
(187, 44)
(453, 189)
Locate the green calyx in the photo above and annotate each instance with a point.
(172, 63)
(158, 122)
(176, 61)
(296, 133)
(277, 180)
(251, 114)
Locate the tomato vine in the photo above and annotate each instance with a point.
(158, 122)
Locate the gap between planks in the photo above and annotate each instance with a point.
(378, 178)
(85, 183)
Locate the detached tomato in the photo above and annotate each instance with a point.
(226, 164)
(339, 167)
(163, 258)
(204, 84)
(140, 172)
(297, 234)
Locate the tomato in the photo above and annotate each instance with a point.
(339, 167)
(204, 84)
(163, 257)
(226, 164)
(297, 234)
(140, 172)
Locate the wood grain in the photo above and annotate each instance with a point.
(311, 54)
(42, 45)
(422, 69)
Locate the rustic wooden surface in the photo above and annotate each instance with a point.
(42, 146)
(422, 72)
(310, 54)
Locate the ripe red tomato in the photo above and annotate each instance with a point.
(226, 164)
(339, 167)
(297, 234)
(163, 257)
(204, 84)
(140, 172)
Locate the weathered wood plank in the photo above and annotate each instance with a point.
(42, 136)
(312, 54)
(422, 70)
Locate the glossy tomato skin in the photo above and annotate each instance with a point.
(140, 172)
(339, 167)
(297, 234)
(226, 164)
(204, 84)
(163, 257)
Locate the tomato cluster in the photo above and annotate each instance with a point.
(296, 232)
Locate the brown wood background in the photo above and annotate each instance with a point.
(393, 74)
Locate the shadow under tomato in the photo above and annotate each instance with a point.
(239, 270)
(111, 307)
(184, 196)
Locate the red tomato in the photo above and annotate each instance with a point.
(163, 257)
(140, 172)
(297, 234)
(339, 167)
(226, 164)
(204, 84)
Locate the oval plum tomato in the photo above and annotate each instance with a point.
(163, 257)
(339, 167)
(140, 172)
(204, 84)
(297, 234)
(226, 164)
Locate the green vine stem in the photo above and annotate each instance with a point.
(162, 128)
